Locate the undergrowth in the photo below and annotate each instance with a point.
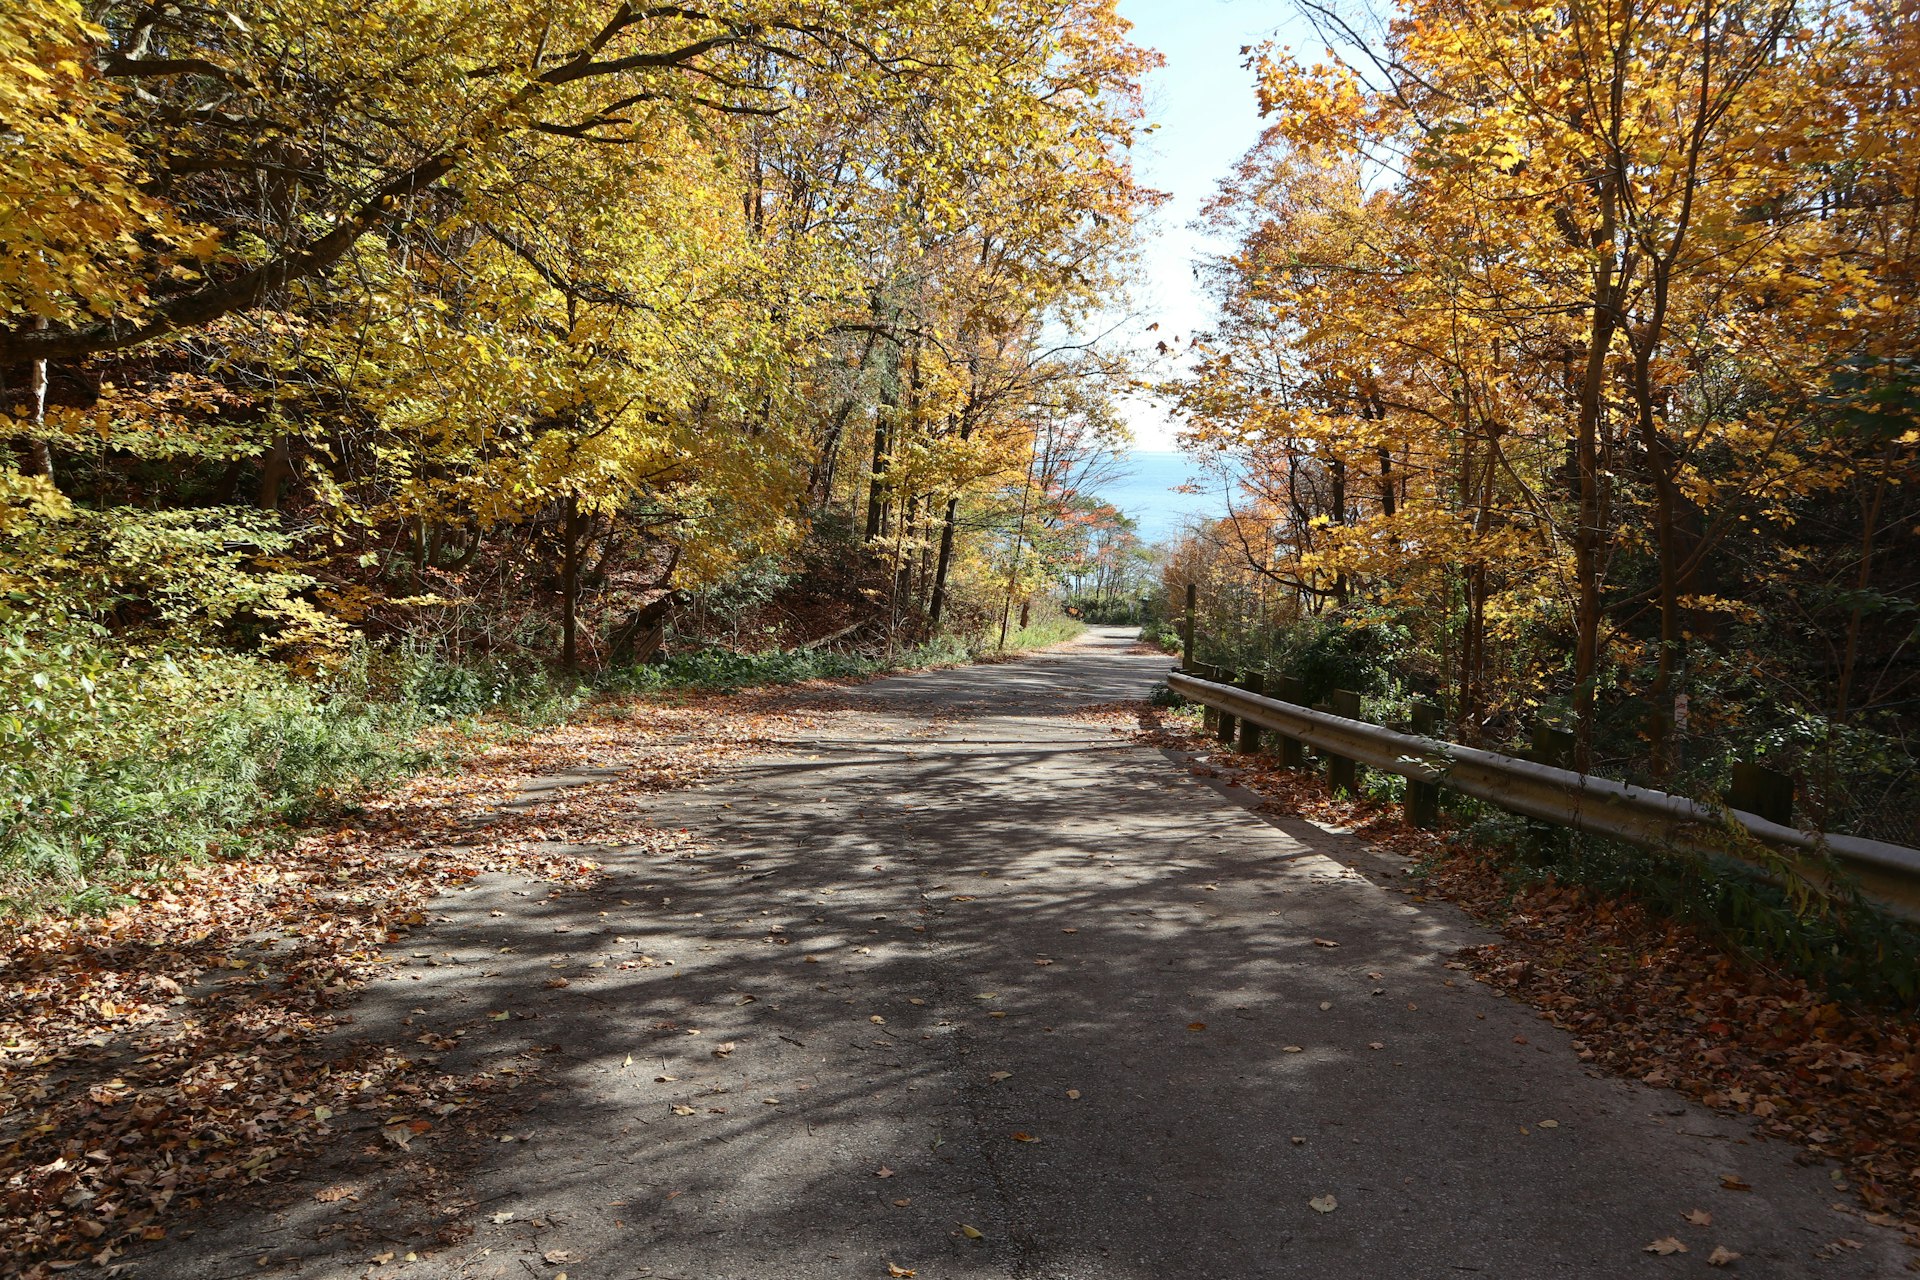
(113, 771)
(1840, 944)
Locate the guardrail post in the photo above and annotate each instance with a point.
(1293, 752)
(1343, 774)
(1186, 636)
(1253, 682)
(1228, 723)
(1209, 718)
(1423, 798)
(1554, 747)
(1763, 792)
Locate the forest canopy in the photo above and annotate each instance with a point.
(498, 330)
(1569, 353)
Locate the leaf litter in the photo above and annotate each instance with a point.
(170, 1052)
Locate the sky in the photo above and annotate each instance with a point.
(1204, 105)
(1207, 115)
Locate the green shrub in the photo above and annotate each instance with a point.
(724, 669)
(115, 763)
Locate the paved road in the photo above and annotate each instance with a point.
(975, 989)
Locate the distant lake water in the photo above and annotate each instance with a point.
(1145, 491)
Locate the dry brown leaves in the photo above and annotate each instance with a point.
(1654, 1000)
(169, 1052)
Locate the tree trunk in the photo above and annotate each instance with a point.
(570, 584)
(274, 473)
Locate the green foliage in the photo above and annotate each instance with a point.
(1358, 649)
(1162, 634)
(724, 669)
(111, 764)
(1114, 610)
(1040, 634)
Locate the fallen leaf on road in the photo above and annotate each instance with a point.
(1298, 1141)
(332, 1194)
(1073, 1093)
(1664, 1246)
(900, 1271)
(557, 981)
(683, 1111)
(1323, 1204)
(877, 1020)
(555, 1257)
(1722, 1256)
(1377, 1044)
(883, 1172)
(998, 1076)
(903, 1202)
(971, 1233)
(1325, 1005)
(1698, 1217)
(1024, 1137)
(1732, 1182)
(1196, 1026)
(1549, 1124)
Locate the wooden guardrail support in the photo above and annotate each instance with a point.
(1209, 715)
(1293, 752)
(1228, 723)
(1553, 748)
(1343, 773)
(1762, 792)
(1423, 798)
(1253, 682)
(1186, 637)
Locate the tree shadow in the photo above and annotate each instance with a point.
(980, 992)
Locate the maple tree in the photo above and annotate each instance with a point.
(503, 330)
(1578, 340)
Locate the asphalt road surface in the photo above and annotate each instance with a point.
(972, 988)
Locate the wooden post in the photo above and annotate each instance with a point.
(1209, 718)
(1553, 747)
(1343, 774)
(1186, 638)
(1423, 798)
(1254, 682)
(1762, 792)
(1293, 752)
(1228, 724)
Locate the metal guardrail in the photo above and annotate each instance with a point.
(1887, 873)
